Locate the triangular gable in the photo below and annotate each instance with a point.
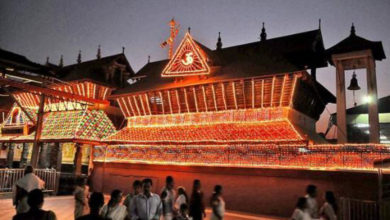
(17, 117)
(188, 60)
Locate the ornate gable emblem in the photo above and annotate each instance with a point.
(188, 60)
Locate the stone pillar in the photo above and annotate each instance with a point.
(10, 155)
(77, 159)
(373, 117)
(23, 158)
(341, 104)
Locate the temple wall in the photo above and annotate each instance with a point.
(256, 190)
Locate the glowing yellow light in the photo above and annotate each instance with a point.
(188, 60)
(367, 99)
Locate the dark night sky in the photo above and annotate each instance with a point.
(41, 28)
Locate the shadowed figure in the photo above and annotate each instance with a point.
(35, 201)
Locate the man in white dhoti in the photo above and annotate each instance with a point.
(23, 186)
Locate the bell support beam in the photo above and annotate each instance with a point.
(350, 61)
(373, 117)
(341, 104)
(35, 149)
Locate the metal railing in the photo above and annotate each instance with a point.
(354, 209)
(8, 178)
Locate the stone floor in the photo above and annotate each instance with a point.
(63, 207)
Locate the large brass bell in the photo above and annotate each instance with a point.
(354, 83)
(354, 86)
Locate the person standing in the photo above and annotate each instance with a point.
(329, 209)
(217, 203)
(81, 194)
(113, 209)
(168, 195)
(96, 202)
(300, 211)
(312, 205)
(181, 199)
(23, 186)
(147, 205)
(197, 208)
(35, 202)
(137, 189)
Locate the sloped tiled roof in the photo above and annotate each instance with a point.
(9, 59)
(72, 125)
(279, 55)
(214, 133)
(94, 70)
(356, 43)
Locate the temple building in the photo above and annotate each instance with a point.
(242, 116)
(70, 126)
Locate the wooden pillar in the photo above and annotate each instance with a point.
(373, 117)
(56, 160)
(57, 155)
(10, 155)
(341, 104)
(35, 150)
(77, 159)
(23, 158)
(90, 162)
(44, 156)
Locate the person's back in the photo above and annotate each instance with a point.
(38, 214)
(329, 208)
(168, 196)
(312, 205)
(80, 194)
(300, 210)
(35, 201)
(96, 201)
(197, 208)
(30, 181)
(23, 186)
(217, 203)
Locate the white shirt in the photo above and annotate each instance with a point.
(181, 199)
(300, 215)
(312, 206)
(169, 201)
(117, 212)
(328, 211)
(30, 182)
(146, 208)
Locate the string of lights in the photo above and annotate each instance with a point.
(292, 155)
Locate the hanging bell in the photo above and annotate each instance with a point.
(354, 83)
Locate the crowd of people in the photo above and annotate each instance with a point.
(143, 204)
(140, 204)
(307, 206)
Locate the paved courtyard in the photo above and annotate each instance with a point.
(63, 207)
